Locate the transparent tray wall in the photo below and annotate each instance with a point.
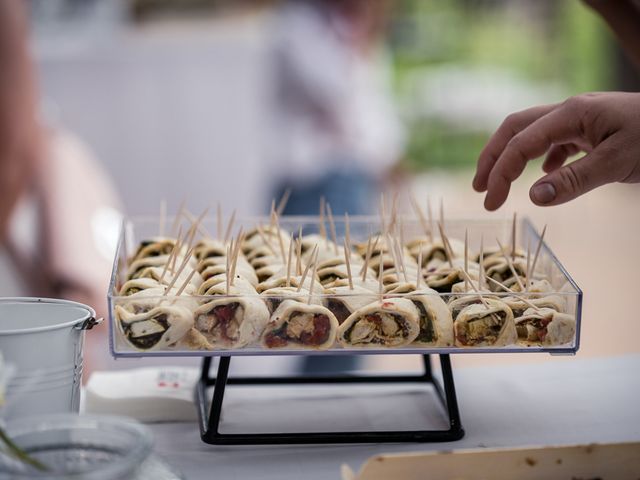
(137, 229)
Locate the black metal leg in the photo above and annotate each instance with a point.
(426, 362)
(451, 403)
(210, 423)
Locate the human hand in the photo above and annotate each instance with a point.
(19, 132)
(606, 126)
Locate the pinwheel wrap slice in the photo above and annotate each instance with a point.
(392, 322)
(479, 326)
(232, 321)
(300, 325)
(545, 327)
(157, 329)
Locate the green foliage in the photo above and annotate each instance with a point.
(544, 42)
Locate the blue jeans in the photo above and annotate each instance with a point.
(348, 191)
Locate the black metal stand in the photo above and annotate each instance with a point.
(209, 424)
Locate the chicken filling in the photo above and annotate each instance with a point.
(533, 329)
(482, 329)
(144, 334)
(222, 322)
(329, 278)
(131, 291)
(305, 328)
(377, 328)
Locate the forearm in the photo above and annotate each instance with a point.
(623, 16)
(19, 137)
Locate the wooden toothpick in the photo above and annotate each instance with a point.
(347, 261)
(229, 227)
(194, 228)
(519, 297)
(179, 271)
(235, 254)
(163, 217)
(393, 218)
(383, 225)
(510, 264)
(380, 284)
(219, 221)
(392, 251)
(466, 256)
(419, 275)
(174, 252)
(367, 259)
(513, 235)
(276, 223)
(347, 230)
(313, 277)
(282, 204)
(192, 218)
(527, 273)
(332, 228)
(481, 274)
(186, 282)
(289, 260)
(366, 254)
(445, 244)
(228, 270)
(400, 257)
(264, 239)
(473, 287)
(314, 254)
(420, 214)
(176, 220)
(430, 214)
(299, 252)
(535, 257)
(322, 229)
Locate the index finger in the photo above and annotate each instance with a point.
(558, 126)
(511, 126)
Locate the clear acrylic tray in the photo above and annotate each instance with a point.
(563, 288)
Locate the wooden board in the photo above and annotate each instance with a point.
(619, 461)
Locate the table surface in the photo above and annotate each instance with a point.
(553, 403)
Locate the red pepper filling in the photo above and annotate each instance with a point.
(319, 334)
(225, 314)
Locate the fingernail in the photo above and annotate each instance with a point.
(543, 192)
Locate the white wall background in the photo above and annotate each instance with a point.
(172, 111)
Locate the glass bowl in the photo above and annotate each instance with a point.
(78, 447)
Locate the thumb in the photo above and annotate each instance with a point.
(572, 180)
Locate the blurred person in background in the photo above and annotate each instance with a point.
(605, 127)
(337, 133)
(58, 212)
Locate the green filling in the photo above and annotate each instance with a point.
(427, 332)
(148, 341)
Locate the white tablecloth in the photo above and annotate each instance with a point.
(569, 402)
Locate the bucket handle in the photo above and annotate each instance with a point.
(89, 323)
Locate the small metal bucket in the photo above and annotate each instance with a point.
(43, 339)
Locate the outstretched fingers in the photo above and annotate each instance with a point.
(558, 155)
(575, 179)
(556, 127)
(510, 127)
